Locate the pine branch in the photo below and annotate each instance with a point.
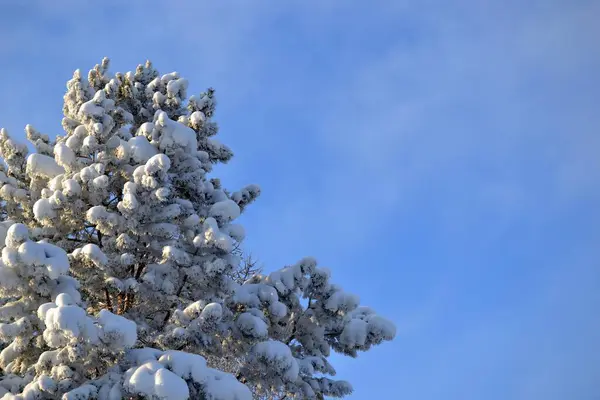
(108, 301)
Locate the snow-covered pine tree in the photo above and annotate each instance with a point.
(118, 254)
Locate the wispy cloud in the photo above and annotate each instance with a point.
(440, 157)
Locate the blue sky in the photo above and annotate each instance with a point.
(440, 157)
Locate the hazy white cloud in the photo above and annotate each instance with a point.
(470, 116)
(464, 112)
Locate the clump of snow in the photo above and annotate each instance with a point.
(4, 225)
(275, 357)
(197, 118)
(21, 250)
(342, 301)
(71, 187)
(166, 378)
(93, 253)
(43, 166)
(354, 333)
(214, 237)
(157, 163)
(212, 311)
(225, 211)
(254, 294)
(153, 380)
(82, 392)
(63, 154)
(100, 182)
(16, 234)
(141, 149)
(175, 134)
(117, 330)
(236, 231)
(252, 326)
(66, 322)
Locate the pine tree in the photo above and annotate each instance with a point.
(120, 276)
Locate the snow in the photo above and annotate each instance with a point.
(71, 187)
(278, 310)
(88, 173)
(236, 231)
(246, 194)
(100, 182)
(212, 311)
(162, 193)
(214, 237)
(93, 253)
(253, 294)
(63, 155)
(69, 285)
(97, 213)
(252, 326)
(175, 134)
(66, 322)
(146, 129)
(285, 280)
(166, 378)
(142, 355)
(35, 254)
(381, 327)
(4, 225)
(152, 380)
(34, 390)
(127, 259)
(158, 98)
(113, 142)
(197, 118)
(157, 163)
(141, 149)
(43, 166)
(117, 330)
(93, 107)
(194, 309)
(90, 142)
(176, 255)
(175, 86)
(164, 229)
(216, 385)
(277, 357)
(191, 221)
(9, 331)
(342, 301)
(354, 333)
(226, 210)
(83, 392)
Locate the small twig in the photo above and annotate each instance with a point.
(120, 304)
(76, 240)
(185, 277)
(128, 301)
(167, 316)
(108, 302)
(139, 271)
(116, 198)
